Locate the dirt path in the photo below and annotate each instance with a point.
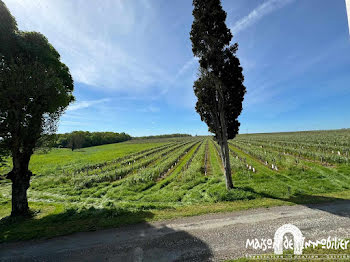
(203, 238)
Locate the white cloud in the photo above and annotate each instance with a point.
(258, 13)
(85, 104)
(150, 109)
(101, 44)
(189, 64)
(72, 123)
(348, 11)
(255, 15)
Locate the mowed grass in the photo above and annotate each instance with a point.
(148, 180)
(65, 159)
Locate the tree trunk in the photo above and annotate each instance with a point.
(221, 134)
(20, 177)
(225, 153)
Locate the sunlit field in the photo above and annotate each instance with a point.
(140, 180)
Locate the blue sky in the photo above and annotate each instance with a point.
(133, 67)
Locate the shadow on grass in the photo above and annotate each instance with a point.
(311, 201)
(69, 221)
(139, 242)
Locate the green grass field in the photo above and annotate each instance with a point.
(145, 180)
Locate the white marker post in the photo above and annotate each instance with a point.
(347, 3)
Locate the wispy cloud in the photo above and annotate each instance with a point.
(150, 109)
(191, 62)
(86, 104)
(255, 15)
(348, 11)
(73, 123)
(98, 51)
(269, 89)
(258, 13)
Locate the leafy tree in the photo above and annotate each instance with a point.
(79, 139)
(76, 140)
(162, 136)
(3, 155)
(35, 89)
(219, 88)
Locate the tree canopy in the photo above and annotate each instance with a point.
(219, 88)
(35, 89)
(81, 139)
(162, 136)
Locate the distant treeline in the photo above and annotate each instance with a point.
(80, 139)
(162, 136)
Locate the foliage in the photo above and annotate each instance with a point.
(8, 25)
(82, 139)
(162, 136)
(221, 80)
(219, 88)
(3, 154)
(35, 89)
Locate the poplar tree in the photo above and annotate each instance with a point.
(219, 88)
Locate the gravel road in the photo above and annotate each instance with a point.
(213, 237)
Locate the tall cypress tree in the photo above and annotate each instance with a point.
(219, 88)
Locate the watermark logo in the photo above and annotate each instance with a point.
(297, 235)
(297, 243)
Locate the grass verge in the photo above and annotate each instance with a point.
(51, 220)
